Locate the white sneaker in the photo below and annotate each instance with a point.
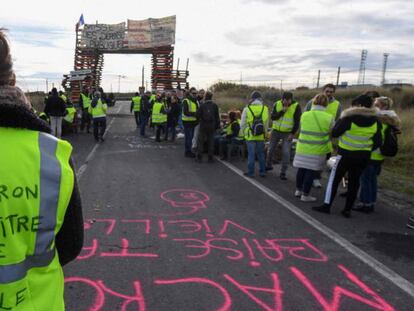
(307, 198)
(316, 183)
(298, 193)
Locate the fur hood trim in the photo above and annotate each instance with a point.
(359, 111)
(20, 116)
(389, 117)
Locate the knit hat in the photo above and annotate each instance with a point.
(13, 95)
(256, 95)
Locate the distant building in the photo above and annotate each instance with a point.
(362, 86)
(400, 85)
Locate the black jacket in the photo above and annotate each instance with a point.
(69, 240)
(146, 106)
(174, 112)
(208, 116)
(55, 106)
(363, 117)
(296, 117)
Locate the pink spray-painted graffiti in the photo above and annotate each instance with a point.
(270, 297)
(281, 261)
(246, 249)
(182, 202)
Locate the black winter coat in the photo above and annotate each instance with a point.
(55, 106)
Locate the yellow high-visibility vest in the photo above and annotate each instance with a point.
(36, 183)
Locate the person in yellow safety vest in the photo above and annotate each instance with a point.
(359, 133)
(85, 102)
(41, 227)
(254, 125)
(63, 96)
(153, 97)
(285, 123)
(313, 146)
(98, 109)
(189, 119)
(390, 126)
(232, 134)
(136, 108)
(334, 108)
(44, 117)
(69, 118)
(159, 115)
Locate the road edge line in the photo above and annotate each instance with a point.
(379, 267)
(91, 154)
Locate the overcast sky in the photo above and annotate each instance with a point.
(256, 41)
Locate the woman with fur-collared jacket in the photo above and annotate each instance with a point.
(390, 123)
(359, 133)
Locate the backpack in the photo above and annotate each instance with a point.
(208, 112)
(389, 146)
(257, 127)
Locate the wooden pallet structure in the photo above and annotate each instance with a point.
(88, 65)
(163, 76)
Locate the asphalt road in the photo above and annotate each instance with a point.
(165, 233)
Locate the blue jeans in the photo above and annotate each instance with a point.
(144, 122)
(369, 187)
(275, 137)
(304, 180)
(253, 148)
(189, 134)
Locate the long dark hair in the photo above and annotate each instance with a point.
(6, 63)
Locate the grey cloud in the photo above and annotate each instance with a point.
(38, 36)
(43, 75)
(251, 37)
(356, 26)
(202, 57)
(310, 60)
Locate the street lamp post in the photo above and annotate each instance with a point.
(119, 82)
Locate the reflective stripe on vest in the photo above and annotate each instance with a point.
(314, 133)
(99, 110)
(286, 121)
(70, 115)
(158, 117)
(39, 163)
(50, 176)
(256, 109)
(64, 98)
(358, 138)
(86, 101)
(376, 154)
(137, 103)
(192, 107)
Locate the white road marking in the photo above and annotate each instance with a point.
(386, 272)
(91, 154)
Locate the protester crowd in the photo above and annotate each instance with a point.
(356, 140)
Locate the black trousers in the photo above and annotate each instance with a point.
(160, 128)
(99, 127)
(137, 116)
(205, 135)
(354, 167)
(86, 120)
